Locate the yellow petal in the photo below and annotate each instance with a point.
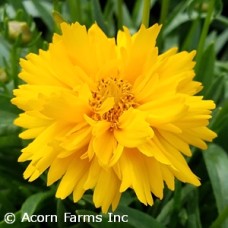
(79, 189)
(74, 173)
(151, 150)
(76, 140)
(31, 133)
(108, 186)
(116, 154)
(175, 141)
(57, 169)
(104, 151)
(134, 51)
(133, 129)
(133, 171)
(181, 169)
(37, 70)
(168, 177)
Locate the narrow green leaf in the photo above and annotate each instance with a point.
(75, 10)
(98, 15)
(31, 204)
(127, 20)
(164, 216)
(6, 123)
(221, 41)
(216, 90)
(137, 12)
(218, 7)
(60, 213)
(16, 4)
(4, 50)
(137, 218)
(9, 141)
(193, 212)
(203, 36)
(216, 160)
(222, 19)
(191, 39)
(41, 9)
(221, 118)
(221, 218)
(127, 199)
(108, 10)
(205, 71)
(177, 17)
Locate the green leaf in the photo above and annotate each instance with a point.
(218, 7)
(98, 15)
(137, 218)
(32, 203)
(16, 4)
(193, 212)
(191, 39)
(8, 131)
(4, 50)
(9, 141)
(75, 10)
(221, 41)
(178, 17)
(205, 72)
(137, 12)
(221, 218)
(222, 19)
(41, 9)
(216, 90)
(167, 210)
(127, 19)
(127, 198)
(220, 125)
(216, 160)
(6, 123)
(60, 213)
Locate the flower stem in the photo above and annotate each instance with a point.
(146, 13)
(14, 63)
(120, 14)
(164, 11)
(75, 10)
(203, 36)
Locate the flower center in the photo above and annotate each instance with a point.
(111, 98)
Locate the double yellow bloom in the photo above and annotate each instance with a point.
(109, 114)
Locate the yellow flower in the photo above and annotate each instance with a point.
(110, 115)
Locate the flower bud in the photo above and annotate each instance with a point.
(203, 7)
(17, 28)
(3, 76)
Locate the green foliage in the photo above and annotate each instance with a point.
(190, 24)
(216, 161)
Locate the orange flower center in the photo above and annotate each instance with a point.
(111, 98)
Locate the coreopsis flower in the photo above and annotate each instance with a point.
(110, 114)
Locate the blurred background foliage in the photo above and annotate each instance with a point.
(28, 25)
